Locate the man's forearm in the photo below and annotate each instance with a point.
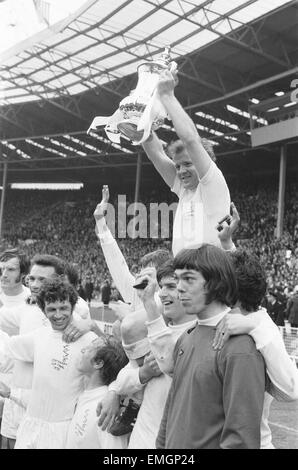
(116, 263)
(188, 133)
(127, 381)
(183, 124)
(152, 310)
(162, 343)
(160, 160)
(153, 147)
(95, 328)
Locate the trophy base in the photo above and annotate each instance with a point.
(129, 129)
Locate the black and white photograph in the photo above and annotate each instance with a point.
(148, 228)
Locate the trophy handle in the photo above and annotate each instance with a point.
(153, 110)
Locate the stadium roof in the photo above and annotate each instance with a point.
(229, 54)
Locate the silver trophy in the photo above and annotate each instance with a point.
(141, 111)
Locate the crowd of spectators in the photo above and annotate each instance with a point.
(62, 223)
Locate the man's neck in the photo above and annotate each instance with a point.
(192, 188)
(211, 310)
(243, 311)
(12, 291)
(184, 319)
(94, 381)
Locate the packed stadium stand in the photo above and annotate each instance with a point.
(62, 223)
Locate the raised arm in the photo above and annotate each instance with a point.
(160, 336)
(227, 228)
(115, 260)
(163, 164)
(184, 126)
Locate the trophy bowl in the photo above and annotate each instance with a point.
(131, 113)
(141, 111)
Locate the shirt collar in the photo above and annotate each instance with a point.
(213, 321)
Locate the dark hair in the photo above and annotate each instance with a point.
(271, 292)
(114, 358)
(20, 255)
(174, 148)
(156, 258)
(251, 279)
(216, 268)
(72, 274)
(53, 290)
(165, 270)
(49, 260)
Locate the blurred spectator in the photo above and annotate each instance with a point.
(88, 288)
(275, 308)
(106, 293)
(115, 294)
(81, 291)
(292, 309)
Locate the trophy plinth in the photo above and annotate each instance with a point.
(141, 111)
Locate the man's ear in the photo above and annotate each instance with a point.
(98, 365)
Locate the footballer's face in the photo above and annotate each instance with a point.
(192, 292)
(86, 363)
(186, 171)
(10, 273)
(173, 308)
(59, 313)
(37, 275)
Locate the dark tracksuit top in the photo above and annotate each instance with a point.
(216, 398)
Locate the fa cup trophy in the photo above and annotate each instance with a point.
(141, 111)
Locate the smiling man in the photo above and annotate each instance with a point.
(216, 398)
(57, 383)
(25, 319)
(164, 330)
(155, 393)
(191, 173)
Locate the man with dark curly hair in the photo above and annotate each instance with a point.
(57, 383)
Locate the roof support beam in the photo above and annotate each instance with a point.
(236, 38)
(245, 89)
(69, 105)
(11, 117)
(106, 39)
(185, 69)
(108, 165)
(89, 28)
(129, 48)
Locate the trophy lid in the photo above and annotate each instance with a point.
(163, 60)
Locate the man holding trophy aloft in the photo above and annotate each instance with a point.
(190, 172)
(189, 168)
